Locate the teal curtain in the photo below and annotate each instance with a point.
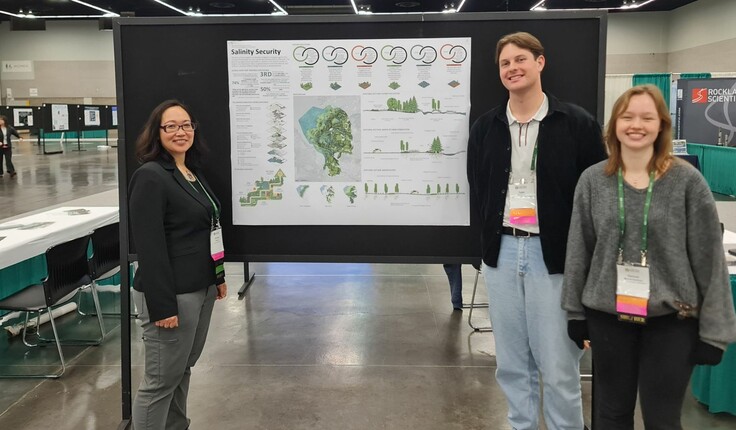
(695, 75)
(661, 80)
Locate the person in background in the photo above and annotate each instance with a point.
(6, 148)
(524, 159)
(455, 277)
(646, 281)
(174, 218)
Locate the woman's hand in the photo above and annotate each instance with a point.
(170, 322)
(222, 291)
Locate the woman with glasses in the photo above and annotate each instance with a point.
(174, 218)
(646, 285)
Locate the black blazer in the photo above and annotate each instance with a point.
(5, 139)
(170, 223)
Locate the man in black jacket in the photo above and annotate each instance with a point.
(524, 160)
(6, 150)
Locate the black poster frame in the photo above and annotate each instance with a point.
(185, 58)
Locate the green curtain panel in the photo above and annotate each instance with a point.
(705, 75)
(661, 80)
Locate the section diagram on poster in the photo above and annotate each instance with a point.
(349, 132)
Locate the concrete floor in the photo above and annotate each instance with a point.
(311, 346)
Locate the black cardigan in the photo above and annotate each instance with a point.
(170, 223)
(569, 142)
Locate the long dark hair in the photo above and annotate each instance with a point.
(148, 145)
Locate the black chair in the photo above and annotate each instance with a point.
(105, 260)
(67, 274)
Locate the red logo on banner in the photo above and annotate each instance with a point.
(700, 95)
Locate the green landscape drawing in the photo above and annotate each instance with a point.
(329, 132)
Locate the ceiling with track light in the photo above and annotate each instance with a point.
(92, 9)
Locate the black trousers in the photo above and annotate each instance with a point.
(7, 153)
(653, 358)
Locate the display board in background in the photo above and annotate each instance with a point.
(60, 117)
(575, 50)
(706, 111)
(22, 117)
(113, 116)
(93, 117)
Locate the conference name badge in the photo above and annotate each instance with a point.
(632, 292)
(217, 249)
(523, 208)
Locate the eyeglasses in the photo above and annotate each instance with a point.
(173, 128)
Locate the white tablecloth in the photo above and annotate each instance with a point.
(30, 236)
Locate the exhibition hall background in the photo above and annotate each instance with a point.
(73, 61)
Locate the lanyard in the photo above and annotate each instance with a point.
(216, 220)
(622, 218)
(533, 165)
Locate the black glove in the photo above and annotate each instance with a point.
(707, 354)
(577, 330)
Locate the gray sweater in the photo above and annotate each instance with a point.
(685, 250)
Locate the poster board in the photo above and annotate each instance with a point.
(575, 51)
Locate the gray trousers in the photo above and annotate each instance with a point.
(161, 401)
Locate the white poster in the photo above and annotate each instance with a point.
(114, 113)
(350, 132)
(59, 117)
(91, 116)
(23, 117)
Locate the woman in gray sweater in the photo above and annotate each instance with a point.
(646, 284)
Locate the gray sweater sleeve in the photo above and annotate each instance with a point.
(708, 264)
(580, 245)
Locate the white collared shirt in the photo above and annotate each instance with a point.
(523, 140)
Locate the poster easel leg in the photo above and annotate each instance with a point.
(249, 277)
(474, 305)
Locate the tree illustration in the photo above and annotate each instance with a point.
(396, 189)
(332, 137)
(447, 188)
(438, 105)
(436, 147)
(385, 188)
(439, 188)
(434, 105)
(375, 188)
(429, 190)
(402, 146)
(457, 188)
(393, 104)
(366, 187)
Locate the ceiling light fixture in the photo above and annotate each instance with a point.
(633, 4)
(106, 12)
(277, 6)
(540, 6)
(11, 14)
(172, 7)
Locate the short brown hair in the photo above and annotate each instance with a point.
(523, 40)
(662, 157)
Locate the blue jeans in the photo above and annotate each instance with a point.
(530, 330)
(455, 276)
